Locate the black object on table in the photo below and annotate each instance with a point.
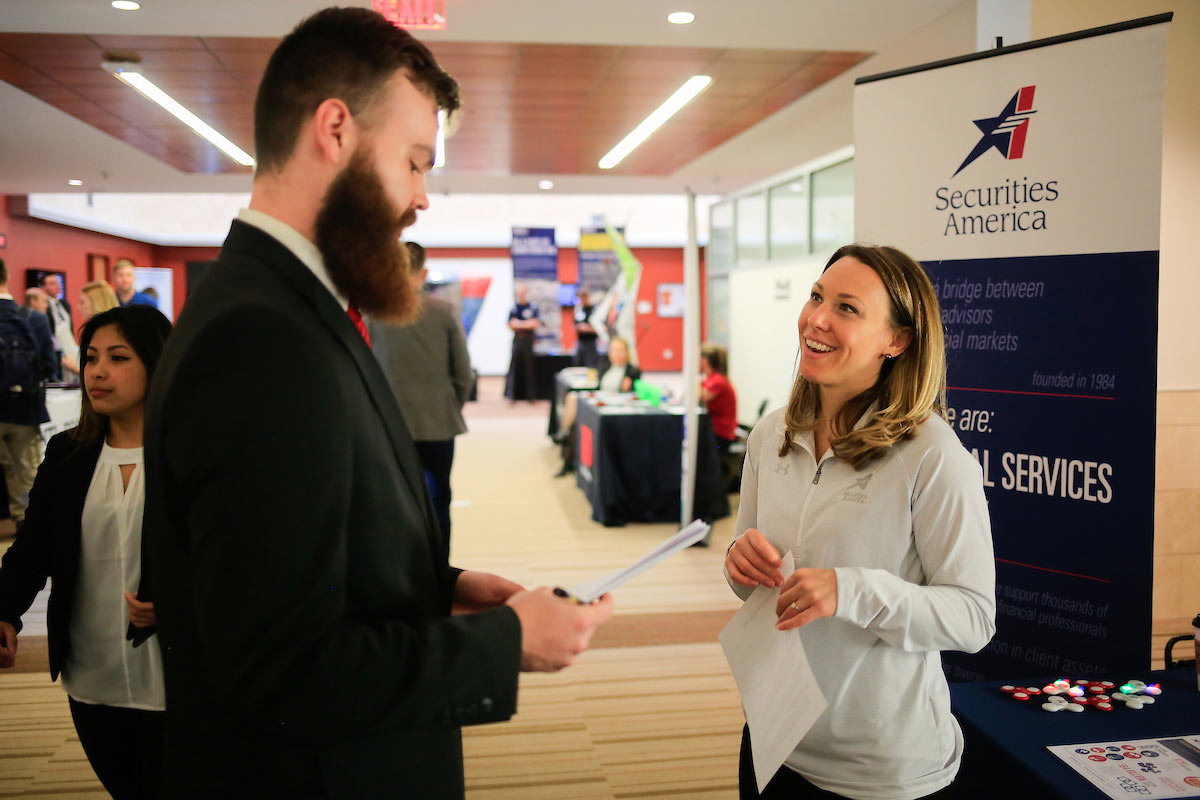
(545, 367)
(627, 462)
(1005, 740)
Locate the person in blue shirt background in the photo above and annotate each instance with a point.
(524, 321)
(123, 277)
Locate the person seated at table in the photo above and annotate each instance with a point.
(617, 374)
(860, 477)
(717, 394)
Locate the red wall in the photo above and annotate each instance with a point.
(35, 244)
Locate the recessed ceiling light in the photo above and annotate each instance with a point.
(680, 17)
(74, 182)
(545, 184)
(125, 5)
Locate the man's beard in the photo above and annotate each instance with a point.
(358, 230)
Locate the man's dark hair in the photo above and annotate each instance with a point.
(416, 257)
(347, 53)
(3, 272)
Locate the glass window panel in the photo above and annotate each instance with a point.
(832, 207)
(719, 255)
(752, 228)
(718, 310)
(788, 209)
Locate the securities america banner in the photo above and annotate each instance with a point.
(1027, 181)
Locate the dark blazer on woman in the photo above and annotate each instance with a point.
(631, 372)
(299, 577)
(48, 545)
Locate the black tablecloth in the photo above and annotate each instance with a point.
(631, 469)
(1005, 752)
(545, 367)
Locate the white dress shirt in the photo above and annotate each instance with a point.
(102, 667)
(294, 241)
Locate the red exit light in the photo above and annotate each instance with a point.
(415, 15)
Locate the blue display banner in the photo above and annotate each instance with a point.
(1051, 387)
(534, 254)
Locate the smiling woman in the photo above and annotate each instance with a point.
(883, 509)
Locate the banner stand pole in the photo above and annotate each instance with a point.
(691, 364)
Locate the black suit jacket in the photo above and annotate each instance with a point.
(300, 581)
(48, 545)
(631, 372)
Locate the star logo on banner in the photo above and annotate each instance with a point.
(1005, 132)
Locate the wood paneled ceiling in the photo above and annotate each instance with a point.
(528, 108)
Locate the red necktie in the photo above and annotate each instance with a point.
(357, 319)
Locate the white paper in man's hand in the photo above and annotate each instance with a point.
(779, 692)
(686, 537)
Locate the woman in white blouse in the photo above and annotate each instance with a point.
(83, 530)
(883, 511)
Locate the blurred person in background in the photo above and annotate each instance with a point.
(96, 298)
(124, 274)
(429, 369)
(523, 320)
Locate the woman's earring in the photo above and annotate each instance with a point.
(887, 357)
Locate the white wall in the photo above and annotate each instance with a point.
(764, 305)
(490, 340)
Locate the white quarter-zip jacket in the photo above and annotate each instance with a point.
(909, 539)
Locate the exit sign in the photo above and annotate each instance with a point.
(416, 15)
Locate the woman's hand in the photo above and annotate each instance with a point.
(806, 595)
(8, 645)
(753, 561)
(140, 614)
(627, 384)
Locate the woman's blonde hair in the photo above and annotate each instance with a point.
(910, 387)
(102, 296)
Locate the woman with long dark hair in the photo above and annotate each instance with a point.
(883, 510)
(83, 530)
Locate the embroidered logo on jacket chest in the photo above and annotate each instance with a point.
(856, 491)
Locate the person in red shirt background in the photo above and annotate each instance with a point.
(716, 392)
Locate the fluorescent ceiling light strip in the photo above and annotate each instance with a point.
(173, 106)
(683, 95)
(439, 155)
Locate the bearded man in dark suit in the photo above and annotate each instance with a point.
(301, 585)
